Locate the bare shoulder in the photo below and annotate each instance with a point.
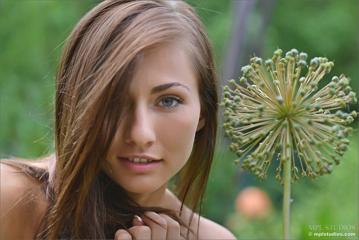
(209, 229)
(21, 203)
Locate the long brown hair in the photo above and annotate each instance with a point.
(95, 70)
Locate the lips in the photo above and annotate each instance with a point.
(140, 164)
(141, 160)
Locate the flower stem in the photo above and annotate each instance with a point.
(286, 199)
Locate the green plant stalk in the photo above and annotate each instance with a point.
(286, 198)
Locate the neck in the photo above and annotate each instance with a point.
(157, 198)
(162, 197)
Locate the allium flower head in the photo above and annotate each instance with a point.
(276, 112)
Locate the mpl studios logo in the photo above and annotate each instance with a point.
(334, 231)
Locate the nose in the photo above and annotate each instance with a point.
(140, 132)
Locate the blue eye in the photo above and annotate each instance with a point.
(169, 102)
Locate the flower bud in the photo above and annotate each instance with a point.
(269, 63)
(303, 56)
(302, 63)
(354, 114)
(279, 99)
(314, 63)
(278, 53)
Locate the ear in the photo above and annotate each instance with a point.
(201, 123)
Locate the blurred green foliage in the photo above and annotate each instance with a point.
(31, 38)
(327, 28)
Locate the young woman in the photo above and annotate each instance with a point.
(136, 107)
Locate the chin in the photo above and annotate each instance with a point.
(140, 186)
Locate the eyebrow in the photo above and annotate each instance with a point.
(165, 86)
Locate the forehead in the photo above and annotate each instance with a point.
(163, 64)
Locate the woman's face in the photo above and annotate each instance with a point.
(161, 123)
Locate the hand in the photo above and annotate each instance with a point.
(152, 226)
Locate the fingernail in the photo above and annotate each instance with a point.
(137, 219)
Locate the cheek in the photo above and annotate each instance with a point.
(176, 133)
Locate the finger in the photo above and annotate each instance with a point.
(173, 228)
(122, 234)
(157, 224)
(140, 232)
(137, 221)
